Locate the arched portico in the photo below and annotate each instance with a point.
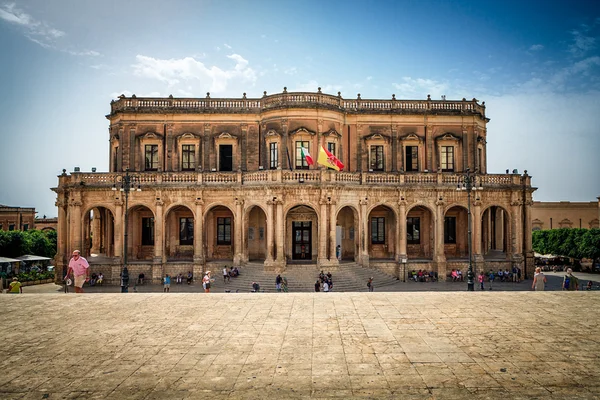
(218, 233)
(99, 235)
(347, 227)
(255, 237)
(456, 232)
(420, 231)
(301, 227)
(140, 233)
(179, 234)
(382, 233)
(495, 232)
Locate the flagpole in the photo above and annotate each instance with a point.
(289, 159)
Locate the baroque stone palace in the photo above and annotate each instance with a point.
(223, 182)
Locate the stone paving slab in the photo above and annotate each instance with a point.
(443, 345)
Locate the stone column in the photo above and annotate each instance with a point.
(269, 258)
(110, 233)
(322, 246)
(280, 237)
(198, 232)
(529, 258)
(96, 233)
(364, 234)
(75, 219)
(61, 237)
(402, 252)
(238, 227)
(476, 232)
(499, 228)
(438, 255)
(118, 231)
(332, 232)
(159, 236)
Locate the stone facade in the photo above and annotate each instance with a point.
(222, 181)
(16, 218)
(565, 214)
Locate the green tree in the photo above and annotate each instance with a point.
(13, 244)
(589, 246)
(574, 243)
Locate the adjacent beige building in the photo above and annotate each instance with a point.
(223, 181)
(565, 214)
(16, 218)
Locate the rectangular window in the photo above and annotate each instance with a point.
(331, 147)
(224, 231)
(25, 227)
(447, 161)
(450, 230)
(225, 157)
(377, 162)
(11, 227)
(377, 230)
(412, 158)
(273, 156)
(480, 158)
(188, 157)
(413, 230)
(148, 231)
(116, 159)
(300, 160)
(186, 231)
(151, 157)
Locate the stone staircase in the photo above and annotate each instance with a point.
(349, 277)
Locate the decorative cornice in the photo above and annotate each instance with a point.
(302, 130)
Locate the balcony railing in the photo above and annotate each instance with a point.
(295, 177)
(296, 99)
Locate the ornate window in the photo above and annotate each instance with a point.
(186, 231)
(188, 157)
(25, 227)
(412, 158)
(273, 155)
(151, 157)
(377, 162)
(227, 147)
(413, 230)
(301, 162)
(412, 147)
(377, 230)
(224, 231)
(11, 227)
(447, 158)
(450, 230)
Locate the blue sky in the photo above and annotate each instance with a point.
(536, 64)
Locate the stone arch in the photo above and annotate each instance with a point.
(98, 232)
(456, 231)
(420, 231)
(255, 235)
(423, 204)
(178, 231)
(348, 232)
(301, 233)
(209, 207)
(180, 204)
(496, 231)
(219, 232)
(382, 232)
(315, 207)
(140, 232)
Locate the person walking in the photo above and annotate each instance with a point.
(80, 269)
(15, 287)
(225, 274)
(326, 286)
(278, 283)
(491, 278)
(206, 282)
(370, 284)
(167, 284)
(539, 280)
(318, 285)
(570, 282)
(481, 279)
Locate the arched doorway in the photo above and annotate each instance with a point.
(302, 241)
(495, 235)
(219, 229)
(347, 233)
(419, 233)
(256, 234)
(456, 233)
(99, 237)
(140, 233)
(382, 233)
(179, 234)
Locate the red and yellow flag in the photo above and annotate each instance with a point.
(329, 160)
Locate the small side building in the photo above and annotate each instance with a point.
(16, 218)
(565, 214)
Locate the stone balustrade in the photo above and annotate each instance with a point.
(296, 99)
(319, 176)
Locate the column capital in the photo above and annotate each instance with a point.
(477, 203)
(363, 202)
(159, 203)
(440, 203)
(199, 202)
(75, 203)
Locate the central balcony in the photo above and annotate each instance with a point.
(446, 180)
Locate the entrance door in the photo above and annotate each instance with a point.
(225, 157)
(302, 237)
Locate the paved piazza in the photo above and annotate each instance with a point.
(442, 345)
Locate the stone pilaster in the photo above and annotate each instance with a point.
(159, 237)
(322, 246)
(75, 220)
(364, 234)
(280, 237)
(270, 227)
(438, 255)
(332, 233)
(238, 227)
(118, 231)
(199, 231)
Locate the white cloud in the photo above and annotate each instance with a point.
(536, 47)
(581, 43)
(290, 71)
(420, 88)
(91, 53)
(173, 71)
(226, 45)
(128, 93)
(312, 86)
(37, 31)
(369, 78)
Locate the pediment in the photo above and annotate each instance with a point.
(377, 136)
(272, 133)
(301, 131)
(226, 135)
(188, 135)
(594, 223)
(411, 136)
(448, 136)
(303, 210)
(332, 133)
(536, 221)
(151, 135)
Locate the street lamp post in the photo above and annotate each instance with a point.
(468, 184)
(125, 183)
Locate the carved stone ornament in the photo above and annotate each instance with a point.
(332, 133)
(448, 136)
(272, 133)
(187, 135)
(226, 135)
(411, 136)
(151, 135)
(301, 131)
(377, 136)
